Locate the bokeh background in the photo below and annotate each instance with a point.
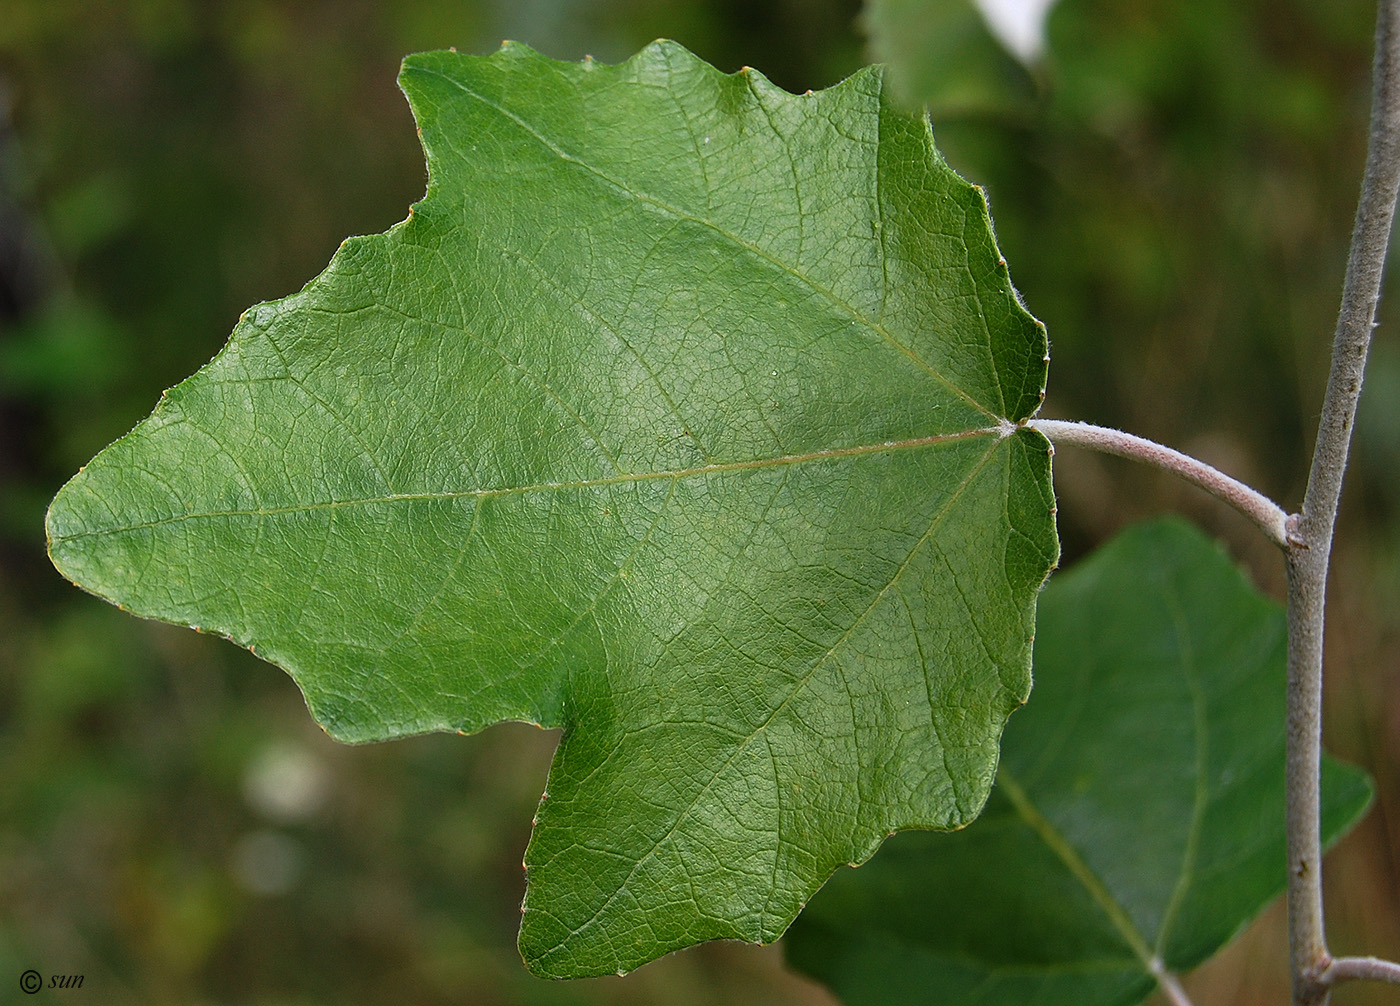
(1173, 185)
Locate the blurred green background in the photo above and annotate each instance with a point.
(1173, 186)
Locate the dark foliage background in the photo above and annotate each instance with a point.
(1173, 188)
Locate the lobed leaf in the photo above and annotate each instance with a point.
(1137, 821)
(682, 413)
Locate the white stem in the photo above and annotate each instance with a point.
(1267, 515)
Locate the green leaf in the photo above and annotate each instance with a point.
(1138, 813)
(681, 414)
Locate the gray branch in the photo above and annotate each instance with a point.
(1310, 543)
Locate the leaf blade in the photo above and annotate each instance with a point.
(702, 451)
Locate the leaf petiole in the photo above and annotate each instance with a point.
(1267, 515)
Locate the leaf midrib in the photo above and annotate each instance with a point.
(827, 454)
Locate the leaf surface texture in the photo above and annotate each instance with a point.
(679, 414)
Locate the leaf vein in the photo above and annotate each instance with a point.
(1202, 752)
(1066, 853)
(829, 454)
